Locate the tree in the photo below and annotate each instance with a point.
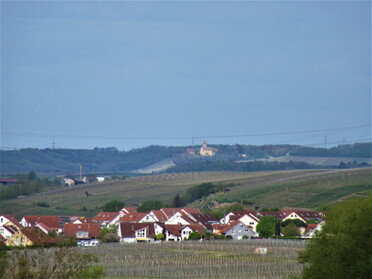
(160, 236)
(266, 226)
(64, 261)
(177, 202)
(195, 235)
(113, 206)
(149, 205)
(109, 234)
(343, 248)
(291, 230)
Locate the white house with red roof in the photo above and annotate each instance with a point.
(107, 218)
(9, 220)
(7, 231)
(302, 215)
(50, 222)
(181, 232)
(139, 232)
(246, 217)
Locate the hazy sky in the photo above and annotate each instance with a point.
(132, 74)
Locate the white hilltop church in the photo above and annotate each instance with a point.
(205, 150)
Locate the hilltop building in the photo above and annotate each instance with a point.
(205, 150)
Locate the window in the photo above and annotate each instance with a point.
(81, 234)
(251, 223)
(141, 233)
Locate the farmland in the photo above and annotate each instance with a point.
(194, 259)
(305, 188)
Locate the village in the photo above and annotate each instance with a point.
(166, 224)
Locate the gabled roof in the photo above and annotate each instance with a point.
(126, 210)
(11, 229)
(48, 220)
(194, 228)
(129, 229)
(81, 219)
(37, 236)
(13, 220)
(92, 229)
(205, 219)
(133, 217)
(224, 228)
(236, 215)
(191, 211)
(159, 215)
(304, 214)
(105, 217)
(174, 229)
(169, 212)
(278, 215)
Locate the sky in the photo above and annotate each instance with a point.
(85, 74)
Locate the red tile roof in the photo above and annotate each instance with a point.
(169, 212)
(53, 222)
(105, 217)
(133, 217)
(13, 220)
(129, 229)
(92, 229)
(174, 229)
(37, 236)
(159, 215)
(224, 228)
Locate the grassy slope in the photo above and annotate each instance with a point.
(302, 188)
(311, 190)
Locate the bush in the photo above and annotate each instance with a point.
(195, 236)
(113, 206)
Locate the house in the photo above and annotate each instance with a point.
(136, 217)
(49, 222)
(139, 232)
(236, 230)
(87, 234)
(107, 218)
(181, 232)
(9, 220)
(80, 220)
(30, 236)
(7, 231)
(158, 216)
(205, 150)
(68, 181)
(190, 151)
(127, 210)
(246, 217)
(302, 215)
(312, 229)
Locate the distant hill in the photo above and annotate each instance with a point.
(111, 160)
(294, 188)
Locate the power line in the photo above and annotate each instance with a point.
(23, 134)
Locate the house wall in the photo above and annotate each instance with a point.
(238, 231)
(18, 239)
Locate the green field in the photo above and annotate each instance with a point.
(296, 188)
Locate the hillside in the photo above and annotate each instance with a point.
(110, 160)
(302, 188)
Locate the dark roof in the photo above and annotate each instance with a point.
(37, 236)
(129, 229)
(92, 229)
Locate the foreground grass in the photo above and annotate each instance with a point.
(195, 259)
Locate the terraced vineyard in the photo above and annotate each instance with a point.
(305, 188)
(195, 259)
